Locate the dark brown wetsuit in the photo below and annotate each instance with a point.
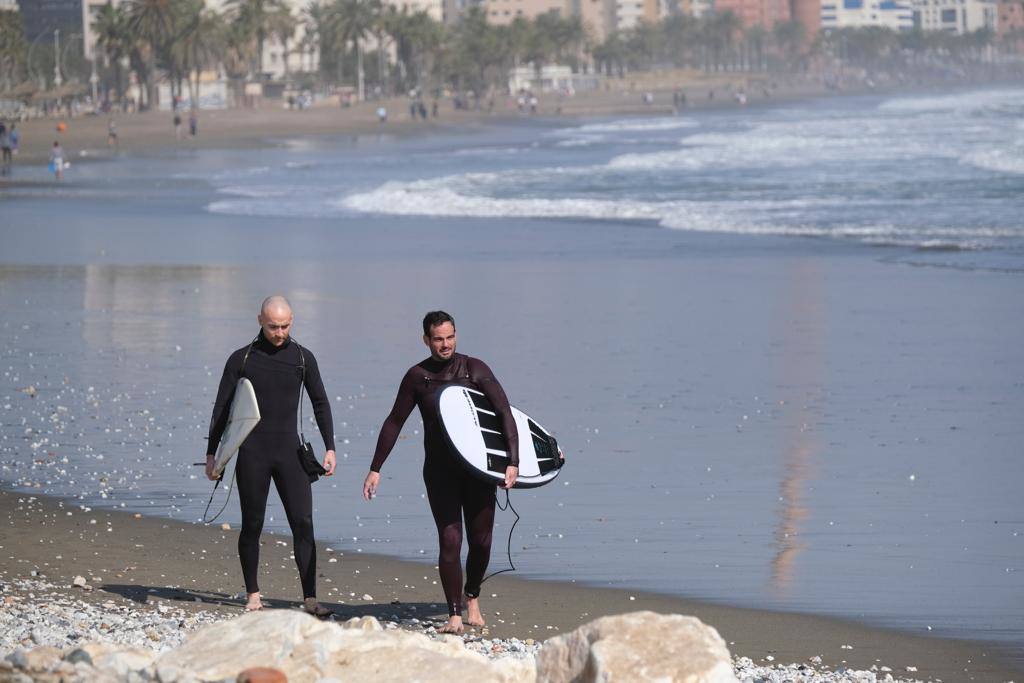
(451, 490)
(270, 451)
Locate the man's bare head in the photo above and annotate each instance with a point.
(275, 319)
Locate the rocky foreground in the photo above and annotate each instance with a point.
(48, 636)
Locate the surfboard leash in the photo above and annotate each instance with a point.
(231, 486)
(508, 506)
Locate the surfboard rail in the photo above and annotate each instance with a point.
(243, 417)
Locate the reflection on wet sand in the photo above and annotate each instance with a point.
(138, 309)
(801, 367)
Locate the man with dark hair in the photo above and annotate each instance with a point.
(452, 491)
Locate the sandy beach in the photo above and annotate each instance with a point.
(86, 136)
(145, 561)
(114, 275)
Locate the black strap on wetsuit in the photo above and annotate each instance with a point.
(221, 477)
(302, 387)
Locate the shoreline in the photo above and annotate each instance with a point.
(194, 569)
(270, 126)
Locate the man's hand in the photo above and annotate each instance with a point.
(330, 462)
(209, 467)
(371, 484)
(511, 474)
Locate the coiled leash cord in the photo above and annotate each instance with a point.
(231, 486)
(508, 506)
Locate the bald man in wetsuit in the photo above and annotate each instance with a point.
(453, 492)
(277, 366)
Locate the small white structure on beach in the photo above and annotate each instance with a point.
(213, 94)
(551, 78)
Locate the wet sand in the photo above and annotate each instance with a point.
(149, 132)
(192, 567)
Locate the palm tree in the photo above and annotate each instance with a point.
(282, 27)
(416, 36)
(13, 50)
(255, 20)
(113, 37)
(352, 21)
(321, 35)
(789, 38)
(151, 23)
(611, 54)
(754, 40)
(680, 34)
(475, 47)
(199, 43)
(722, 31)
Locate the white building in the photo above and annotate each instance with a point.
(701, 7)
(8, 4)
(629, 13)
(90, 8)
(892, 14)
(956, 16)
(433, 8)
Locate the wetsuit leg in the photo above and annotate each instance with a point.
(252, 475)
(297, 497)
(478, 509)
(443, 492)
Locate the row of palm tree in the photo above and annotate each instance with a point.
(13, 50)
(357, 41)
(718, 42)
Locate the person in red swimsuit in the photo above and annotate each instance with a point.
(453, 493)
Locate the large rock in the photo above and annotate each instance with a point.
(637, 647)
(307, 649)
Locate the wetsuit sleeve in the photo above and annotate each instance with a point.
(222, 404)
(318, 397)
(482, 376)
(389, 431)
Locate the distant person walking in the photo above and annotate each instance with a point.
(112, 134)
(15, 137)
(193, 123)
(178, 130)
(5, 148)
(57, 160)
(279, 369)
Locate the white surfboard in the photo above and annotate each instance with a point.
(242, 419)
(474, 432)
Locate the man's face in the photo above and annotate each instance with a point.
(441, 341)
(276, 324)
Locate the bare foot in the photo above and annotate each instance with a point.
(315, 608)
(473, 615)
(454, 626)
(254, 604)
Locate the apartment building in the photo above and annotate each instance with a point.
(956, 16)
(765, 13)
(892, 14)
(808, 13)
(503, 12)
(1010, 18)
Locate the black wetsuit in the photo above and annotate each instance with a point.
(270, 451)
(451, 490)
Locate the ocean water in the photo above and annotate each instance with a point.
(780, 346)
